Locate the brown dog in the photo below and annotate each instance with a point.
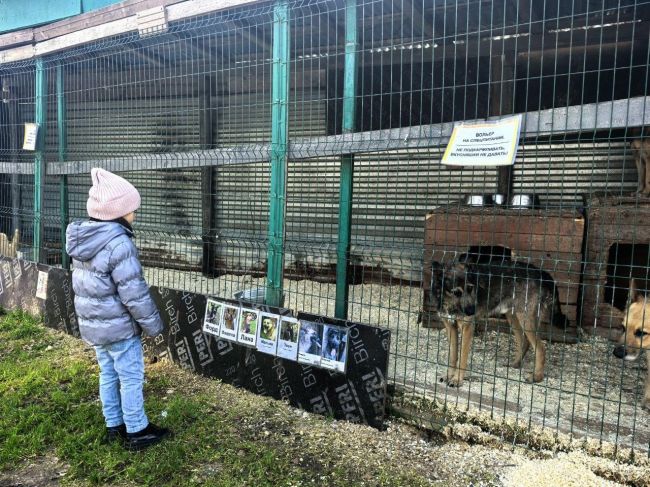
(526, 295)
(636, 334)
(641, 148)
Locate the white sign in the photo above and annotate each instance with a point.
(31, 133)
(490, 143)
(41, 285)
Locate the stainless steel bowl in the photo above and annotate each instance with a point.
(499, 198)
(478, 200)
(524, 201)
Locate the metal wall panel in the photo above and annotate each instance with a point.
(169, 221)
(564, 174)
(392, 190)
(241, 192)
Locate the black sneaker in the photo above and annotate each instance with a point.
(115, 433)
(142, 439)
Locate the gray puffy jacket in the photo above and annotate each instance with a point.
(112, 299)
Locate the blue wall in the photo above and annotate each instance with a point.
(14, 15)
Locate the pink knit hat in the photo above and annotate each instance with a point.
(111, 196)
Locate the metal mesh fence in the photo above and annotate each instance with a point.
(359, 98)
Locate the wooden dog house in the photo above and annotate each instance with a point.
(549, 239)
(617, 238)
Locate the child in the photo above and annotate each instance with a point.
(113, 305)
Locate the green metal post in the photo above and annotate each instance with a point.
(62, 137)
(347, 161)
(40, 117)
(279, 128)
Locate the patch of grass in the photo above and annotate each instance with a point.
(49, 406)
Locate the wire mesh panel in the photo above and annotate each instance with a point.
(372, 226)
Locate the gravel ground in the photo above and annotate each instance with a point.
(587, 392)
(360, 452)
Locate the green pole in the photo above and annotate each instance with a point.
(347, 161)
(40, 119)
(279, 127)
(63, 141)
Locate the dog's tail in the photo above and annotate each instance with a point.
(559, 329)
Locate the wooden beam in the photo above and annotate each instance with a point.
(16, 38)
(97, 17)
(92, 27)
(85, 36)
(21, 53)
(184, 10)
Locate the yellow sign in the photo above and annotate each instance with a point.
(489, 143)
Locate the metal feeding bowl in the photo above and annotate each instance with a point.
(256, 295)
(499, 199)
(524, 201)
(478, 200)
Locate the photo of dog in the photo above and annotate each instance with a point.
(310, 338)
(641, 148)
(213, 312)
(310, 342)
(269, 328)
(230, 317)
(334, 347)
(289, 331)
(635, 337)
(468, 289)
(288, 341)
(249, 322)
(212, 319)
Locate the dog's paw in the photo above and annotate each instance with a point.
(646, 404)
(516, 364)
(452, 381)
(534, 377)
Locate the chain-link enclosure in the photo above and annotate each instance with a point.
(296, 147)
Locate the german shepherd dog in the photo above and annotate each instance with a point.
(465, 290)
(636, 334)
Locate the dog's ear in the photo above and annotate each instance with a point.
(634, 293)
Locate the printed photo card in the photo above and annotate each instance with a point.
(248, 324)
(288, 338)
(310, 343)
(230, 322)
(335, 348)
(268, 332)
(308, 339)
(212, 320)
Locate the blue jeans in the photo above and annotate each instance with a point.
(121, 377)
